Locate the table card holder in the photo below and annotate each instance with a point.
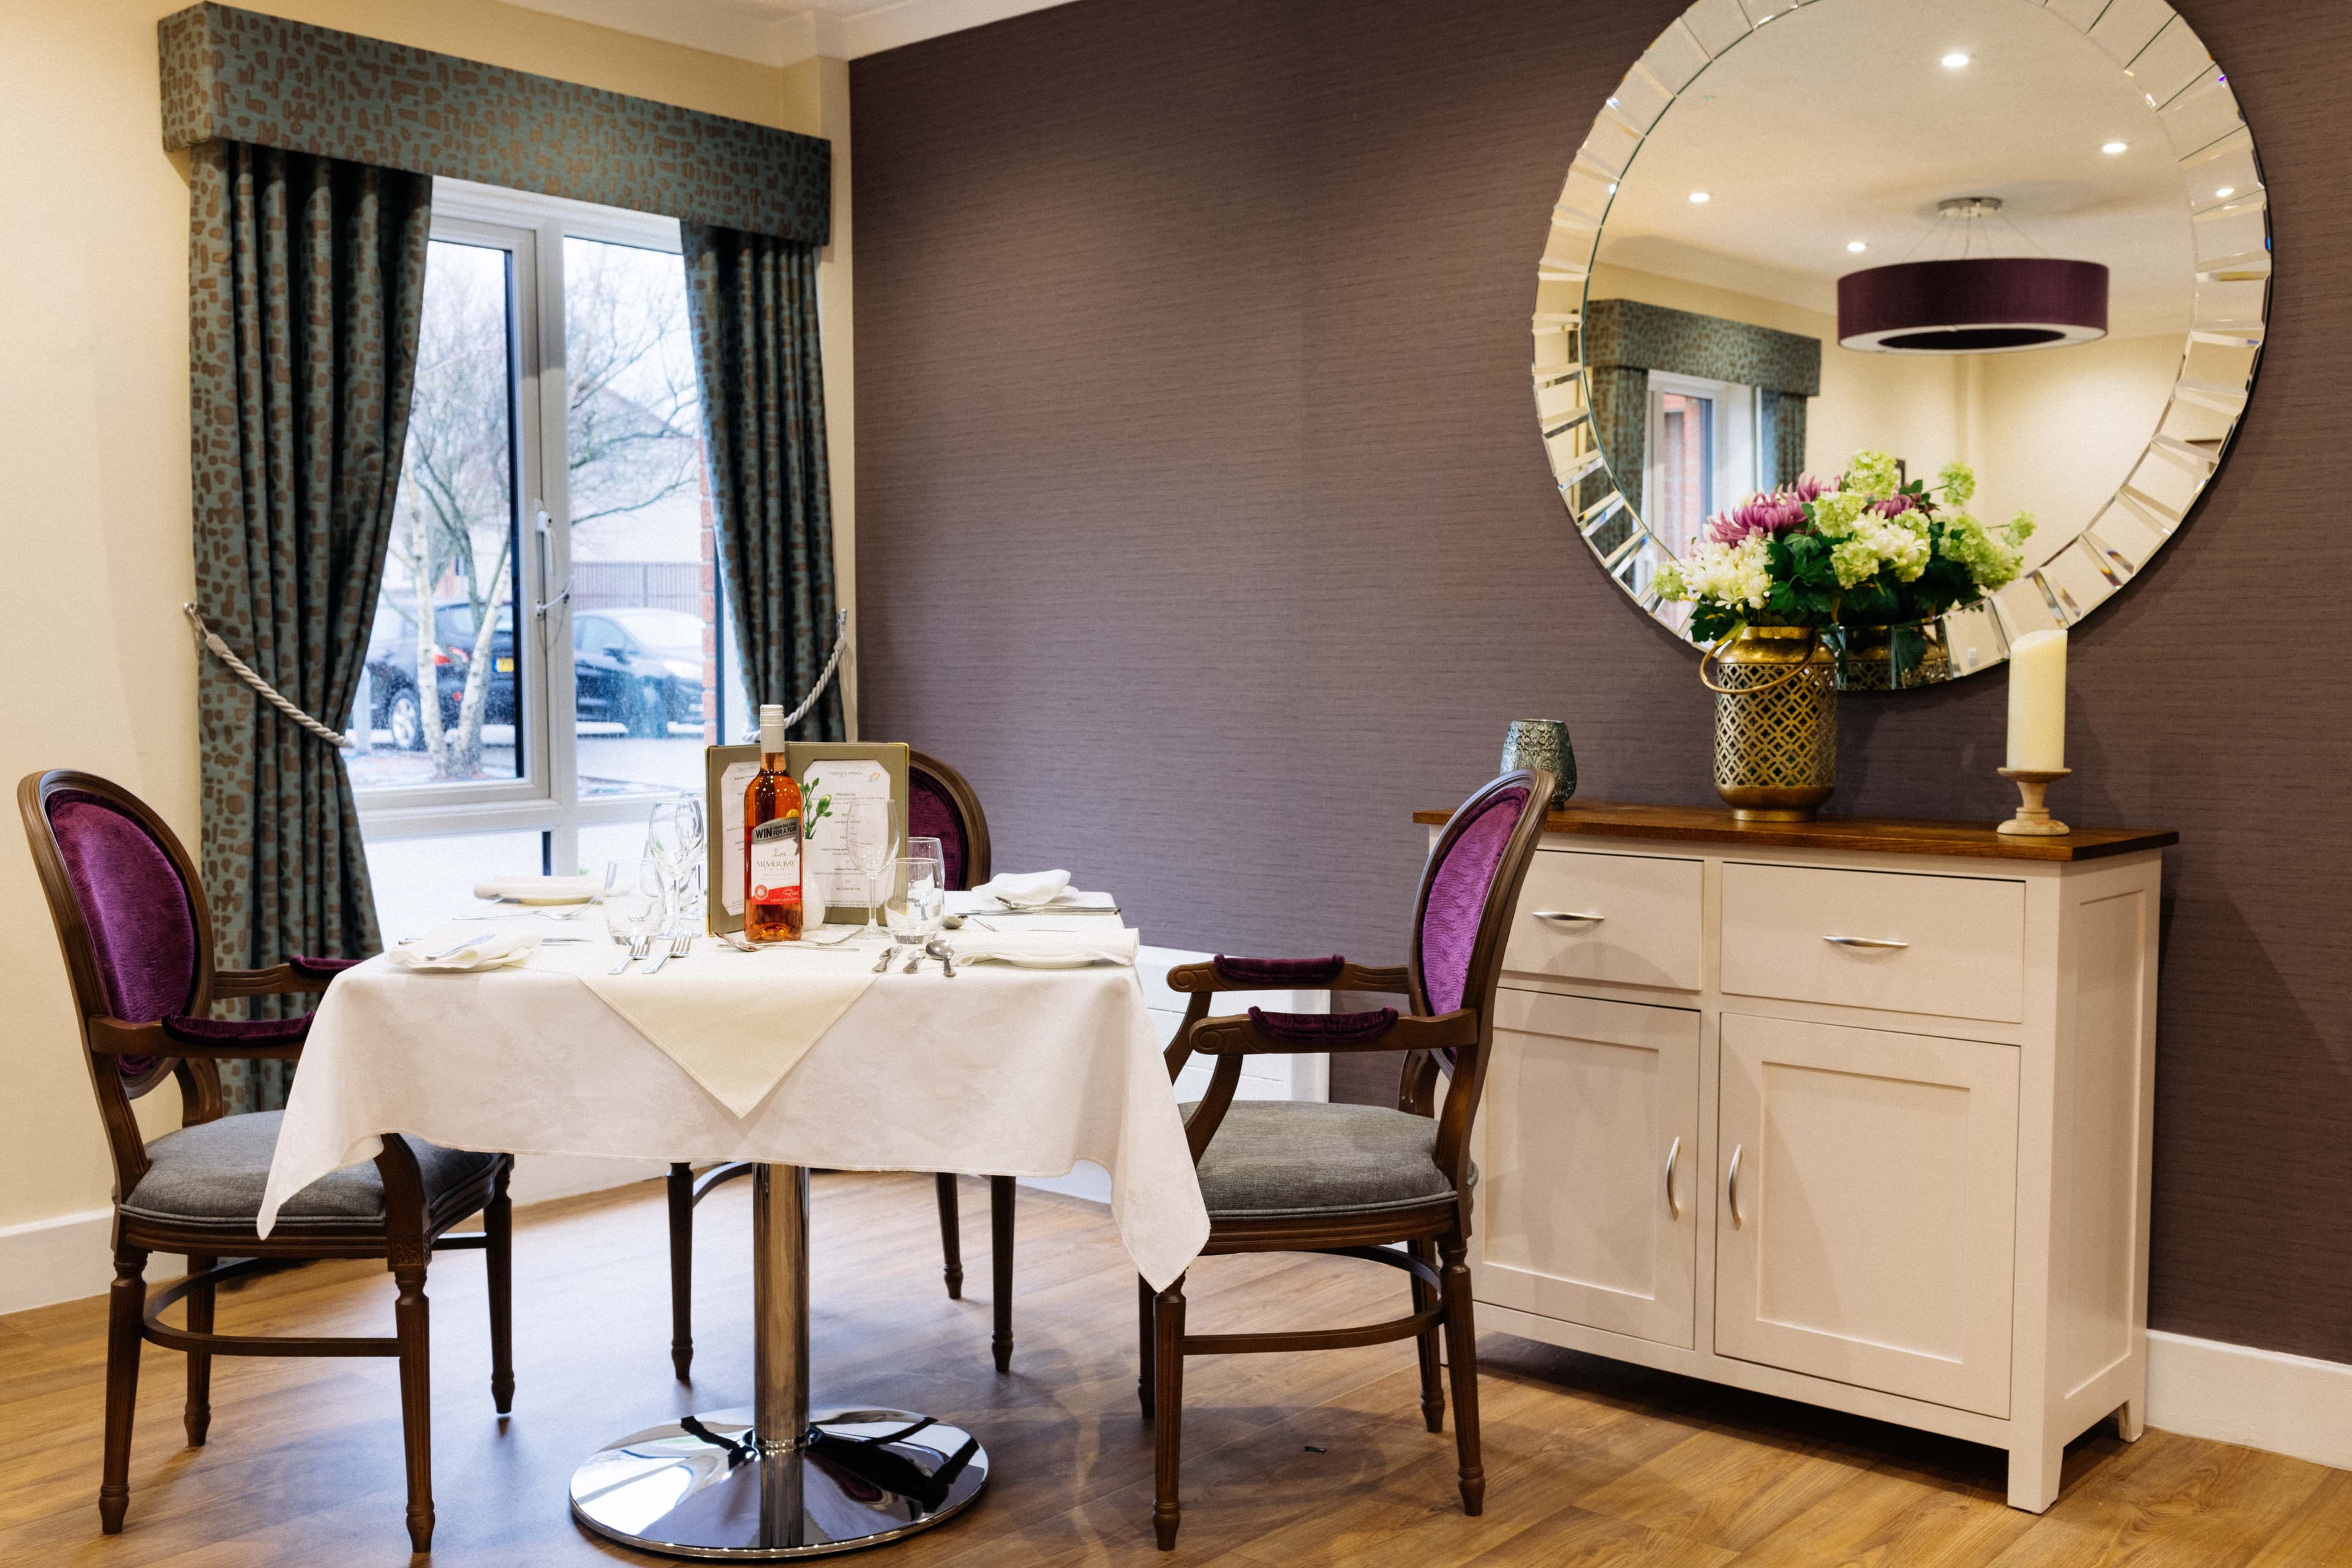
(723, 806)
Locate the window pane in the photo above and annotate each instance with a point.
(1684, 469)
(644, 583)
(452, 547)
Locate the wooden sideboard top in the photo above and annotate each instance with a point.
(1887, 835)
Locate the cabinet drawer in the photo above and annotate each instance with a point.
(1630, 919)
(1953, 946)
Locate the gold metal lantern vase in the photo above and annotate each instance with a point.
(1774, 723)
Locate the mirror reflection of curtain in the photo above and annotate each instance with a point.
(1624, 339)
(1780, 436)
(1620, 413)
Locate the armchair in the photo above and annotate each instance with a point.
(1354, 1179)
(138, 940)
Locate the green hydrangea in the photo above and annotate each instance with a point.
(1873, 475)
(1670, 583)
(1836, 515)
(1958, 483)
(1854, 561)
(1992, 559)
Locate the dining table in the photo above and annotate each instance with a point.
(792, 1056)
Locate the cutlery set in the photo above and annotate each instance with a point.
(660, 946)
(936, 948)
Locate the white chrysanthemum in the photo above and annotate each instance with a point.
(1731, 574)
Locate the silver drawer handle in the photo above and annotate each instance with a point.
(1863, 942)
(1567, 915)
(1731, 1184)
(1672, 1211)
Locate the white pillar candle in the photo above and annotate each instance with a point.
(2037, 702)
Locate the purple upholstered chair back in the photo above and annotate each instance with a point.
(941, 805)
(1460, 902)
(142, 929)
(129, 915)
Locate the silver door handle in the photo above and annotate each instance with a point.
(543, 527)
(1567, 915)
(1731, 1184)
(1863, 942)
(1672, 1155)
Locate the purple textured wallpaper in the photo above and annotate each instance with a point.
(1204, 525)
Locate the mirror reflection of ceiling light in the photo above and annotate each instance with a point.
(1973, 304)
(2112, 148)
(1701, 196)
(1955, 60)
(1856, 246)
(2226, 190)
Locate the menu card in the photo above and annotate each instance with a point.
(833, 825)
(727, 772)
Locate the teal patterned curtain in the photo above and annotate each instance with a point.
(1621, 421)
(307, 281)
(752, 301)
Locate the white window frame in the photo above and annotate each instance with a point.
(1734, 471)
(546, 798)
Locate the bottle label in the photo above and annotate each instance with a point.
(776, 862)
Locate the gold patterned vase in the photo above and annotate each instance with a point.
(1774, 723)
(1890, 658)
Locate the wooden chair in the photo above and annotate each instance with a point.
(941, 805)
(1351, 1180)
(137, 939)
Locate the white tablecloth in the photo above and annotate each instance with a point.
(997, 1072)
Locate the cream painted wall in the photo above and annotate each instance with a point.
(94, 443)
(2052, 433)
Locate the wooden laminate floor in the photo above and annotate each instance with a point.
(1290, 1459)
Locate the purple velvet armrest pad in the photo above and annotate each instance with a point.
(239, 1031)
(302, 965)
(1325, 1028)
(1278, 971)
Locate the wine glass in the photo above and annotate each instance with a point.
(918, 901)
(674, 837)
(636, 911)
(866, 827)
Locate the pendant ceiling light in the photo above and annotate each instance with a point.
(1980, 304)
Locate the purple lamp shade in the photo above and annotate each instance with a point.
(1983, 305)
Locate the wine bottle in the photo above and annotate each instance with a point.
(772, 909)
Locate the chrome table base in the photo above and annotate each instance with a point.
(711, 1489)
(719, 1486)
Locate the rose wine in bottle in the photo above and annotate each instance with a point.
(771, 840)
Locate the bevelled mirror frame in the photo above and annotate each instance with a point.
(2189, 96)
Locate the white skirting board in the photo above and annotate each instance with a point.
(2234, 1393)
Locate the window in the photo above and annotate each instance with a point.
(549, 654)
(1701, 455)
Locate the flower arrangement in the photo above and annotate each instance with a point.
(1861, 550)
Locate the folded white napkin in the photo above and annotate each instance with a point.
(487, 951)
(1024, 889)
(1112, 944)
(541, 889)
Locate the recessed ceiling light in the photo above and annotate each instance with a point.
(2112, 148)
(1955, 60)
(1701, 196)
(1612, 103)
(2227, 191)
(1856, 246)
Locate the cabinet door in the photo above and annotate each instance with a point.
(1580, 1215)
(1866, 1225)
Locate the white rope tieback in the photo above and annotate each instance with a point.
(840, 641)
(269, 693)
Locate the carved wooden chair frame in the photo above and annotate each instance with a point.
(410, 1232)
(1431, 1232)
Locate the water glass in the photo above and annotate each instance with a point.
(919, 901)
(636, 909)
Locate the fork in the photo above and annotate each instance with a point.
(639, 945)
(674, 944)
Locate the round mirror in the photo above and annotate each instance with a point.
(2027, 239)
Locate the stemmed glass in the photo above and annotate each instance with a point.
(636, 911)
(674, 837)
(866, 825)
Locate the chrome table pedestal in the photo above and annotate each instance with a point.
(777, 1481)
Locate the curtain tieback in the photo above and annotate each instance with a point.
(840, 641)
(277, 699)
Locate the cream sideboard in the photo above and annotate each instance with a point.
(1852, 1113)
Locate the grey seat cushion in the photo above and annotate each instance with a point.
(213, 1173)
(1274, 1159)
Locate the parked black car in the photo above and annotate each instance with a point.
(392, 673)
(631, 664)
(637, 665)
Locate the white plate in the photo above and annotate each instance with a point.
(542, 898)
(1038, 961)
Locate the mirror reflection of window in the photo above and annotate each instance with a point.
(1701, 455)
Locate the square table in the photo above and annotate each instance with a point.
(998, 1070)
